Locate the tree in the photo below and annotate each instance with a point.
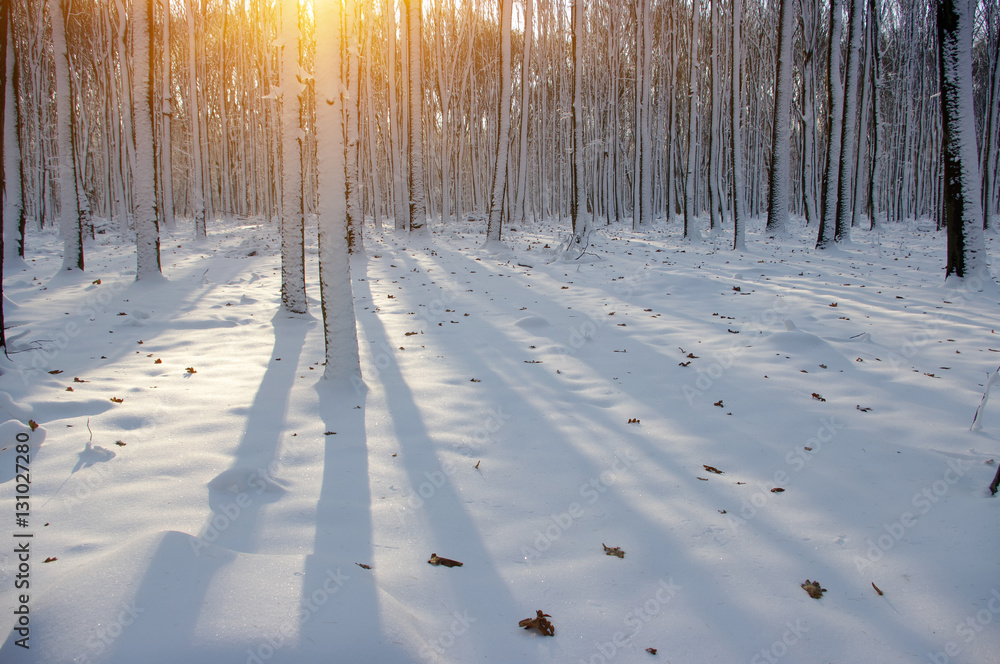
(147, 229)
(293, 277)
(835, 96)
(963, 212)
(493, 225)
(578, 209)
(71, 223)
(166, 168)
(779, 176)
(736, 138)
(4, 36)
(197, 186)
(339, 326)
(355, 216)
(642, 200)
(691, 175)
(845, 202)
(418, 196)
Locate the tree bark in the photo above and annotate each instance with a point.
(339, 325)
(293, 280)
(779, 176)
(495, 221)
(963, 212)
(147, 228)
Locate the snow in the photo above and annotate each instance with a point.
(492, 427)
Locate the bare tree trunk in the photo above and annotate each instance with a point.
(779, 177)
(355, 215)
(848, 134)
(714, 193)
(736, 137)
(581, 219)
(69, 210)
(166, 115)
(522, 162)
(197, 186)
(963, 212)
(691, 175)
(835, 92)
(339, 325)
(147, 229)
(493, 225)
(293, 281)
(418, 196)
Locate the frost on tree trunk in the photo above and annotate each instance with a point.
(166, 112)
(714, 193)
(580, 218)
(779, 178)
(4, 36)
(197, 186)
(522, 162)
(642, 199)
(845, 206)
(493, 225)
(418, 197)
(401, 213)
(355, 216)
(13, 205)
(736, 138)
(339, 327)
(691, 174)
(293, 280)
(963, 212)
(71, 224)
(147, 230)
(835, 92)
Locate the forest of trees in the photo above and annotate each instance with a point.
(495, 110)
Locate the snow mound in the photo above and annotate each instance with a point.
(804, 346)
(532, 323)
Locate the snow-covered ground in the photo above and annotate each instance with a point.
(205, 498)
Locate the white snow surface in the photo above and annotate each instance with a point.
(220, 514)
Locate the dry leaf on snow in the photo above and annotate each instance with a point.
(540, 623)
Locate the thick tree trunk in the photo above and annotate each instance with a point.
(165, 116)
(355, 215)
(70, 222)
(495, 222)
(835, 95)
(779, 176)
(845, 206)
(736, 136)
(691, 174)
(418, 196)
(147, 229)
(581, 219)
(293, 280)
(963, 212)
(339, 326)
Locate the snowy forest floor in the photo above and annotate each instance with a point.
(205, 498)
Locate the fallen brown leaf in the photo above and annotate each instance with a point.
(813, 588)
(435, 559)
(540, 623)
(613, 551)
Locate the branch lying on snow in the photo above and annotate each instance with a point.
(990, 381)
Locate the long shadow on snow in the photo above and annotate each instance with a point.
(452, 529)
(247, 485)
